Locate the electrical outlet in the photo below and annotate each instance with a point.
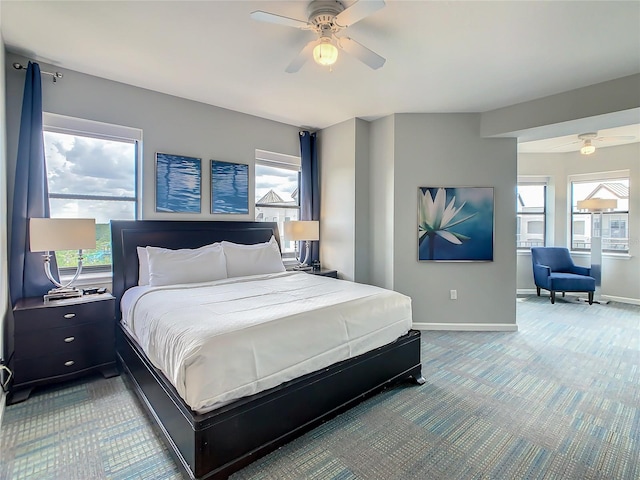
(454, 294)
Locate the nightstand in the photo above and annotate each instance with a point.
(323, 272)
(61, 340)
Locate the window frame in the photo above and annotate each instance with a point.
(278, 160)
(544, 182)
(80, 127)
(599, 177)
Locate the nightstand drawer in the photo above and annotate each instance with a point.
(63, 315)
(66, 339)
(31, 369)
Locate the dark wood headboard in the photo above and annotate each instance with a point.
(126, 235)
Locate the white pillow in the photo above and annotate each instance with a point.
(252, 259)
(170, 267)
(143, 266)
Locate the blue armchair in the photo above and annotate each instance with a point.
(554, 270)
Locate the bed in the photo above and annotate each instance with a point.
(214, 443)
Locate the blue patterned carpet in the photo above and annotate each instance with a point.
(559, 399)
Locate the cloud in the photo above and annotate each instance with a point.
(89, 166)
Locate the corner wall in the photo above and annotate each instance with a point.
(343, 155)
(381, 202)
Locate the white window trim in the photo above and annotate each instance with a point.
(53, 122)
(289, 162)
(545, 181)
(592, 177)
(280, 160)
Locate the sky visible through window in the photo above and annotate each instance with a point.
(281, 181)
(78, 165)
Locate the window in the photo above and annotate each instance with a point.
(531, 211)
(91, 173)
(277, 187)
(614, 230)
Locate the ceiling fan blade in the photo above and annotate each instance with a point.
(615, 138)
(302, 57)
(261, 16)
(358, 11)
(362, 53)
(576, 142)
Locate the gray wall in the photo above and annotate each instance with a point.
(381, 201)
(336, 155)
(588, 109)
(170, 124)
(343, 153)
(4, 279)
(447, 150)
(407, 151)
(362, 250)
(621, 273)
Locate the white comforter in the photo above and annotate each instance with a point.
(223, 340)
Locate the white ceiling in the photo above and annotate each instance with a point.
(452, 56)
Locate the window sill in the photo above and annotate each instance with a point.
(580, 253)
(89, 279)
(619, 256)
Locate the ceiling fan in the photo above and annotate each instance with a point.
(588, 140)
(327, 18)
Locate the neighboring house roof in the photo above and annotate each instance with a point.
(618, 189)
(271, 197)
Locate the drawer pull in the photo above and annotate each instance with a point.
(69, 339)
(69, 315)
(69, 363)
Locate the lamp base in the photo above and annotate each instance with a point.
(61, 293)
(303, 267)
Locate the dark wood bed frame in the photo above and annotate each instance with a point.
(216, 444)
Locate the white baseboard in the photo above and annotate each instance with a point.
(613, 298)
(468, 327)
(526, 291)
(631, 301)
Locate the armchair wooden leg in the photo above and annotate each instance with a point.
(553, 297)
(590, 298)
(538, 289)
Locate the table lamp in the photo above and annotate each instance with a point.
(50, 234)
(305, 231)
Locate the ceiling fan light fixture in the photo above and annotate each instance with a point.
(587, 148)
(325, 53)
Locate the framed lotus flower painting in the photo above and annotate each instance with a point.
(455, 224)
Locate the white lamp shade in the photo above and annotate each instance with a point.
(53, 234)
(597, 204)
(302, 230)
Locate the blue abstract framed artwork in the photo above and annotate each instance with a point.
(455, 224)
(178, 182)
(229, 187)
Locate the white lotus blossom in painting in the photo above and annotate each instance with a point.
(437, 218)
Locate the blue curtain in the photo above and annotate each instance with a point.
(309, 187)
(30, 196)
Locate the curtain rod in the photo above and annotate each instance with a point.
(55, 75)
